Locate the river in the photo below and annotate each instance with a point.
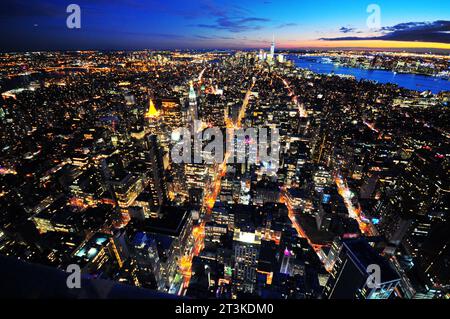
(409, 81)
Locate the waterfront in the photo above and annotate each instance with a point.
(408, 81)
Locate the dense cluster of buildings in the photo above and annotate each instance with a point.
(87, 176)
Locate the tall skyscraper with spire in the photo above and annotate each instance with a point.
(272, 47)
(193, 112)
(152, 117)
(152, 112)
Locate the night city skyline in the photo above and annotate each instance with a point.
(225, 157)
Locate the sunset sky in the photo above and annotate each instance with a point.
(139, 24)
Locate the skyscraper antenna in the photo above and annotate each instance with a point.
(272, 47)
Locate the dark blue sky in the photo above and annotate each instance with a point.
(138, 24)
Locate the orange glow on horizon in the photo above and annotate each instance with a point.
(382, 44)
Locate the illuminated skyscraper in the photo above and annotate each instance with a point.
(97, 255)
(272, 47)
(349, 277)
(152, 116)
(246, 247)
(151, 111)
(157, 180)
(193, 111)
